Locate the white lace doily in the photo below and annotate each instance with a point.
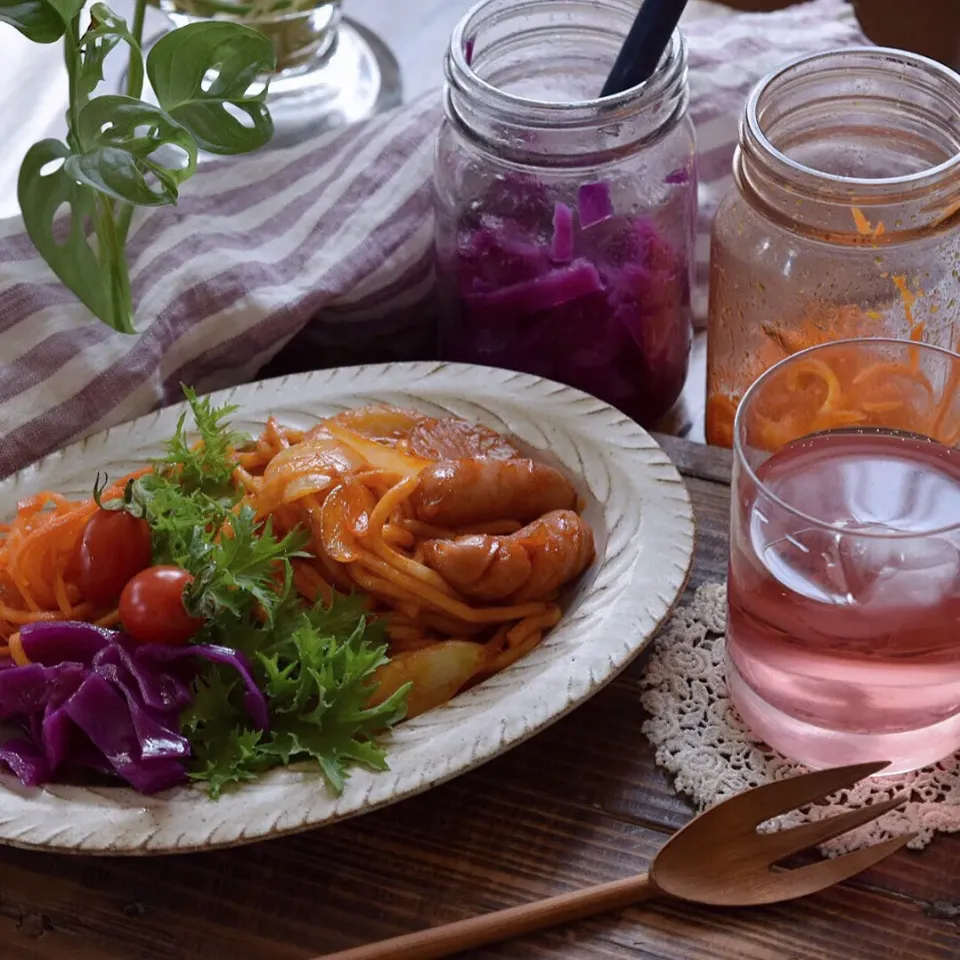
(701, 741)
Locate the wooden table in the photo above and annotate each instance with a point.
(581, 803)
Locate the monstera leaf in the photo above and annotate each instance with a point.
(202, 75)
(42, 21)
(121, 141)
(107, 30)
(44, 189)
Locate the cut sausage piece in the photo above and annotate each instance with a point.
(529, 565)
(457, 493)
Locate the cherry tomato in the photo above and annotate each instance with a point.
(152, 610)
(115, 546)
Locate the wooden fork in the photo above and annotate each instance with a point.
(718, 858)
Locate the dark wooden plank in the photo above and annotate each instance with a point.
(697, 459)
(711, 508)
(472, 846)
(469, 848)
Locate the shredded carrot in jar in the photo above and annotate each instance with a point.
(721, 411)
(824, 324)
(847, 389)
(863, 224)
(817, 369)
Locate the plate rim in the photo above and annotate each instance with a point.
(374, 376)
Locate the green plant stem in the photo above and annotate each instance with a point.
(71, 54)
(134, 89)
(114, 260)
(125, 216)
(110, 242)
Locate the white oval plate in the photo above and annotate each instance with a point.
(637, 505)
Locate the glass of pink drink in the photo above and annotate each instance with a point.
(843, 640)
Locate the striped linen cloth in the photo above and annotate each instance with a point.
(333, 235)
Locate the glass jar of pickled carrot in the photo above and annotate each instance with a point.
(843, 220)
(565, 221)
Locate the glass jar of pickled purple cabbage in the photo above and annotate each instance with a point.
(565, 222)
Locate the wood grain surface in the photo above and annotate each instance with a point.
(581, 803)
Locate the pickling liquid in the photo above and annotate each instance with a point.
(844, 640)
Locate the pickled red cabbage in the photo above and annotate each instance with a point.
(93, 699)
(602, 304)
(552, 289)
(561, 247)
(594, 204)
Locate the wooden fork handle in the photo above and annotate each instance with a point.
(452, 938)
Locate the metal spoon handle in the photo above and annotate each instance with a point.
(452, 938)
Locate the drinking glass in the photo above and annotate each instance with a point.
(843, 640)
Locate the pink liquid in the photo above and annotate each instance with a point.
(844, 644)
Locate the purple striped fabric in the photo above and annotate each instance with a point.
(328, 241)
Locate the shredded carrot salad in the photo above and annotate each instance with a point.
(37, 548)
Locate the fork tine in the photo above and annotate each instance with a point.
(802, 881)
(748, 810)
(785, 842)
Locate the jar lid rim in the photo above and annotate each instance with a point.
(752, 123)
(556, 112)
